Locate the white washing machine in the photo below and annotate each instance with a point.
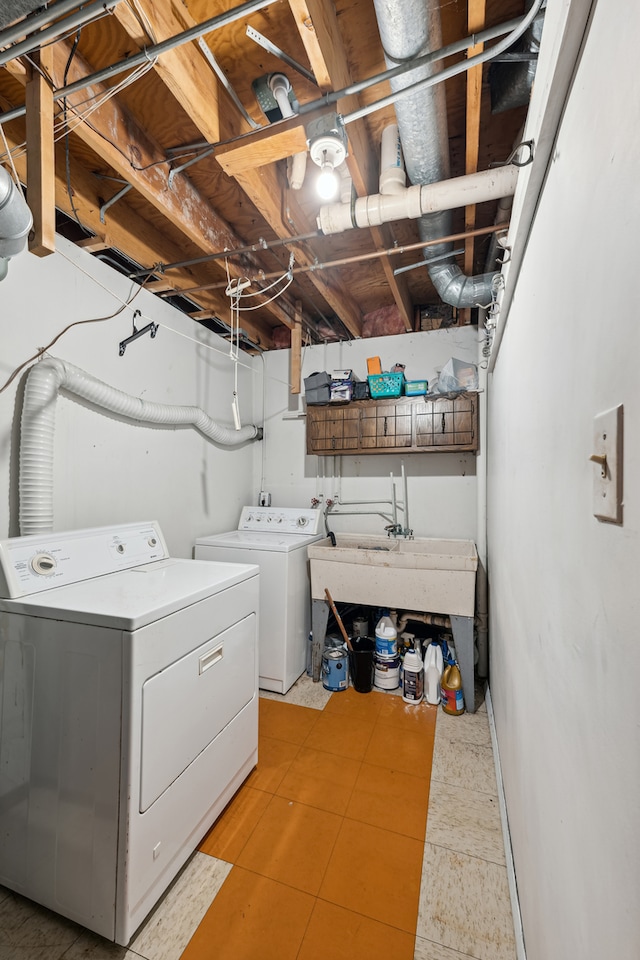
(128, 715)
(276, 538)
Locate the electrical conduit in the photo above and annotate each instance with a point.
(44, 381)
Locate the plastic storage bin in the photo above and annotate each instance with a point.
(386, 385)
(317, 388)
(415, 388)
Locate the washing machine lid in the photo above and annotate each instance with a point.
(133, 598)
(258, 540)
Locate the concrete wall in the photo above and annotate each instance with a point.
(109, 470)
(565, 658)
(441, 486)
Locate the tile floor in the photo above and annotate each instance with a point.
(323, 852)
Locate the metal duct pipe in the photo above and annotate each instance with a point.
(410, 28)
(15, 221)
(38, 427)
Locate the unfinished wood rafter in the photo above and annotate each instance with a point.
(475, 23)
(41, 153)
(296, 352)
(318, 27)
(114, 135)
(133, 234)
(184, 69)
(261, 189)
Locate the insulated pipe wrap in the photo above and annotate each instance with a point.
(44, 381)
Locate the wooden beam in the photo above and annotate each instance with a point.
(266, 193)
(114, 135)
(295, 365)
(184, 70)
(318, 26)
(476, 22)
(135, 236)
(41, 154)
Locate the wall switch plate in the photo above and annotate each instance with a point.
(607, 466)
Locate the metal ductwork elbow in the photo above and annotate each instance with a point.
(410, 28)
(15, 221)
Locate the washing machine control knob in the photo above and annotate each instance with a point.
(152, 542)
(302, 521)
(120, 548)
(43, 564)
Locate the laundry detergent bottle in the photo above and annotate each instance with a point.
(412, 675)
(451, 690)
(433, 664)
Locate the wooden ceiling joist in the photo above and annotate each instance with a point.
(318, 27)
(133, 234)
(116, 137)
(263, 189)
(40, 153)
(476, 22)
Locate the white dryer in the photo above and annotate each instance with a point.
(276, 538)
(128, 715)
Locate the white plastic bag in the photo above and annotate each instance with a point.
(457, 375)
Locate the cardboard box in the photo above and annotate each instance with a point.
(341, 391)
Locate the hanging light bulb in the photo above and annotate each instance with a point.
(327, 149)
(327, 182)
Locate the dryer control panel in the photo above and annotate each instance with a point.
(44, 561)
(291, 520)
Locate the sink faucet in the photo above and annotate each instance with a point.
(397, 530)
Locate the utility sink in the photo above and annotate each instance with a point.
(429, 575)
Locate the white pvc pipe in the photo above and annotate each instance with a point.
(38, 427)
(419, 199)
(393, 178)
(280, 87)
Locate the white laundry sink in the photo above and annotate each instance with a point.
(431, 575)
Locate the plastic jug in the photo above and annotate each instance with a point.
(412, 677)
(386, 638)
(451, 688)
(433, 664)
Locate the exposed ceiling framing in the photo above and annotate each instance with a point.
(164, 168)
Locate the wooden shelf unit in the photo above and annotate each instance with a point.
(394, 425)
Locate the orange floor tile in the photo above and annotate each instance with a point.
(326, 835)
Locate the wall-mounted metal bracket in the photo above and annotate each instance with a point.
(189, 163)
(277, 52)
(151, 329)
(224, 80)
(114, 199)
(512, 156)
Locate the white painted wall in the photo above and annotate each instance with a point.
(565, 658)
(108, 470)
(441, 486)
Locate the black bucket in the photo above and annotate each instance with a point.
(361, 663)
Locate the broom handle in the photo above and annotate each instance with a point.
(338, 619)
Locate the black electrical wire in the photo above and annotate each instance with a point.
(67, 159)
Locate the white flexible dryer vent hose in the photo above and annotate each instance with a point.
(38, 427)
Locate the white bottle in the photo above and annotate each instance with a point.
(433, 664)
(412, 677)
(386, 638)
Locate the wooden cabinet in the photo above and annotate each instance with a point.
(402, 425)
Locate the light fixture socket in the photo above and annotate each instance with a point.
(327, 141)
